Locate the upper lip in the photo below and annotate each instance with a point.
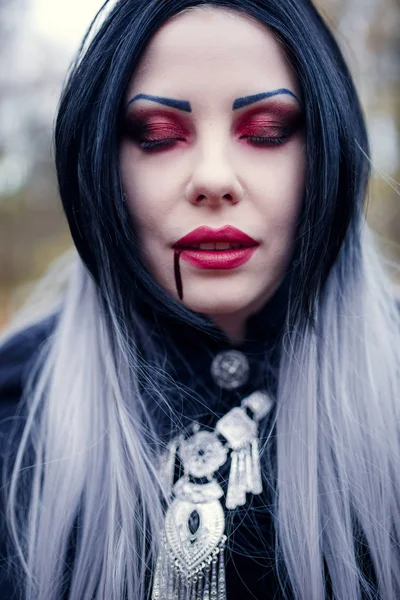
(204, 234)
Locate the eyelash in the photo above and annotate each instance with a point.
(257, 140)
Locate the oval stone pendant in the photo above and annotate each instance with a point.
(191, 546)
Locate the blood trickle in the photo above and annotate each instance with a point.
(177, 271)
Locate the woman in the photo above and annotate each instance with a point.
(214, 412)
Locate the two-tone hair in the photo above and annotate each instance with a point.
(87, 461)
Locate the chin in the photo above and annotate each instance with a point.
(242, 300)
(218, 306)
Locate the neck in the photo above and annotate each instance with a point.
(235, 325)
(232, 325)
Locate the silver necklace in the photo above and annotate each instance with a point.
(190, 565)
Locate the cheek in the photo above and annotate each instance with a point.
(145, 205)
(284, 190)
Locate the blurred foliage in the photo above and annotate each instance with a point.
(32, 226)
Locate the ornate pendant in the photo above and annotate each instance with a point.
(241, 432)
(193, 532)
(190, 564)
(191, 561)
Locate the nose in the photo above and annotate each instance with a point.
(214, 182)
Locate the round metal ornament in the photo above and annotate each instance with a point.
(230, 369)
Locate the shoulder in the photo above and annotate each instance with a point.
(17, 357)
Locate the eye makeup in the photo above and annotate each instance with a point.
(270, 124)
(274, 123)
(151, 126)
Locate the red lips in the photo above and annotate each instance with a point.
(203, 235)
(229, 258)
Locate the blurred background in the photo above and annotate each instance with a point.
(38, 39)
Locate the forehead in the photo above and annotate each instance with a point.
(207, 51)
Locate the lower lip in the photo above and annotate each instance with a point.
(214, 259)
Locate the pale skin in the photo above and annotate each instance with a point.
(214, 172)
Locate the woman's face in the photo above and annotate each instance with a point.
(191, 157)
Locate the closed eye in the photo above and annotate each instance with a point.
(266, 141)
(149, 145)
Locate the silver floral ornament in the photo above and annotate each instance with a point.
(202, 454)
